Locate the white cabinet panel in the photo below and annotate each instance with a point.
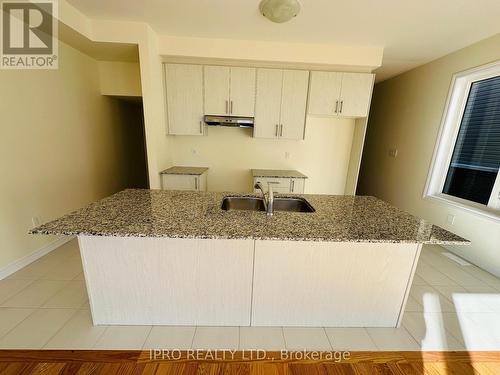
(332, 284)
(281, 102)
(355, 95)
(242, 92)
(297, 185)
(324, 93)
(268, 103)
(167, 281)
(216, 90)
(281, 184)
(184, 182)
(293, 104)
(340, 94)
(184, 85)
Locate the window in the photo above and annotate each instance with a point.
(466, 163)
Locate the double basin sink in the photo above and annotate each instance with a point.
(257, 204)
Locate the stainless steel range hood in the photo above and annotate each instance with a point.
(234, 121)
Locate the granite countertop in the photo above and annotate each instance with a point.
(284, 173)
(189, 214)
(185, 170)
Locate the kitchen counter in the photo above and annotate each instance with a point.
(177, 214)
(278, 173)
(153, 257)
(185, 170)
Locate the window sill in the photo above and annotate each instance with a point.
(466, 206)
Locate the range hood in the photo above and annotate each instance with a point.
(234, 121)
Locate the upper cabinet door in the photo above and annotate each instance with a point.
(216, 90)
(242, 92)
(324, 93)
(184, 99)
(268, 103)
(355, 94)
(293, 104)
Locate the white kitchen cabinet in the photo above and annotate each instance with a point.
(324, 93)
(229, 90)
(216, 90)
(184, 182)
(184, 89)
(340, 94)
(268, 103)
(281, 184)
(281, 101)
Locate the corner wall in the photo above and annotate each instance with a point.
(406, 114)
(62, 146)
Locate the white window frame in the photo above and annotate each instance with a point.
(445, 144)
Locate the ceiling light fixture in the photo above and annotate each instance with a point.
(279, 10)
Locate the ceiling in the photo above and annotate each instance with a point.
(411, 32)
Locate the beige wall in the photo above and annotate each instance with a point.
(120, 78)
(230, 154)
(406, 114)
(61, 147)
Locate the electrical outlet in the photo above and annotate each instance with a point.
(393, 152)
(36, 221)
(450, 219)
(287, 155)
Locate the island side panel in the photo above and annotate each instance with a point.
(163, 281)
(336, 284)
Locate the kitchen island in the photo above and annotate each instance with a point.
(176, 258)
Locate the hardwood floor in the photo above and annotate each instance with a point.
(54, 362)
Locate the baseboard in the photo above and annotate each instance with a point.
(30, 258)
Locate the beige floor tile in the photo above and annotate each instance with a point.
(35, 294)
(264, 338)
(429, 329)
(36, 269)
(67, 270)
(123, 338)
(216, 338)
(430, 299)
(305, 338)
(73, 296)
(77, 333)
(10, 317)
(432, 276)
(10, 287)
(392, 339)
(80, 276)
(460, 276)
(350, 339)
(417, 280)
(170, 337)
(413, 305)
(37, 329)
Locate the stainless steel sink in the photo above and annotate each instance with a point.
(257, 204)
(292, 205)
(243, 203)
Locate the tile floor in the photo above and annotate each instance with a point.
(451, 307)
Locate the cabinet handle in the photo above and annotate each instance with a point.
(276, 130)
(336, 106)
(196, 183)
(227, 106)
(293, 185)
(231, 107)
(201, 128)
(281, 130)
(341, 105)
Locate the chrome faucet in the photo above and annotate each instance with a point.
(268, 198)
